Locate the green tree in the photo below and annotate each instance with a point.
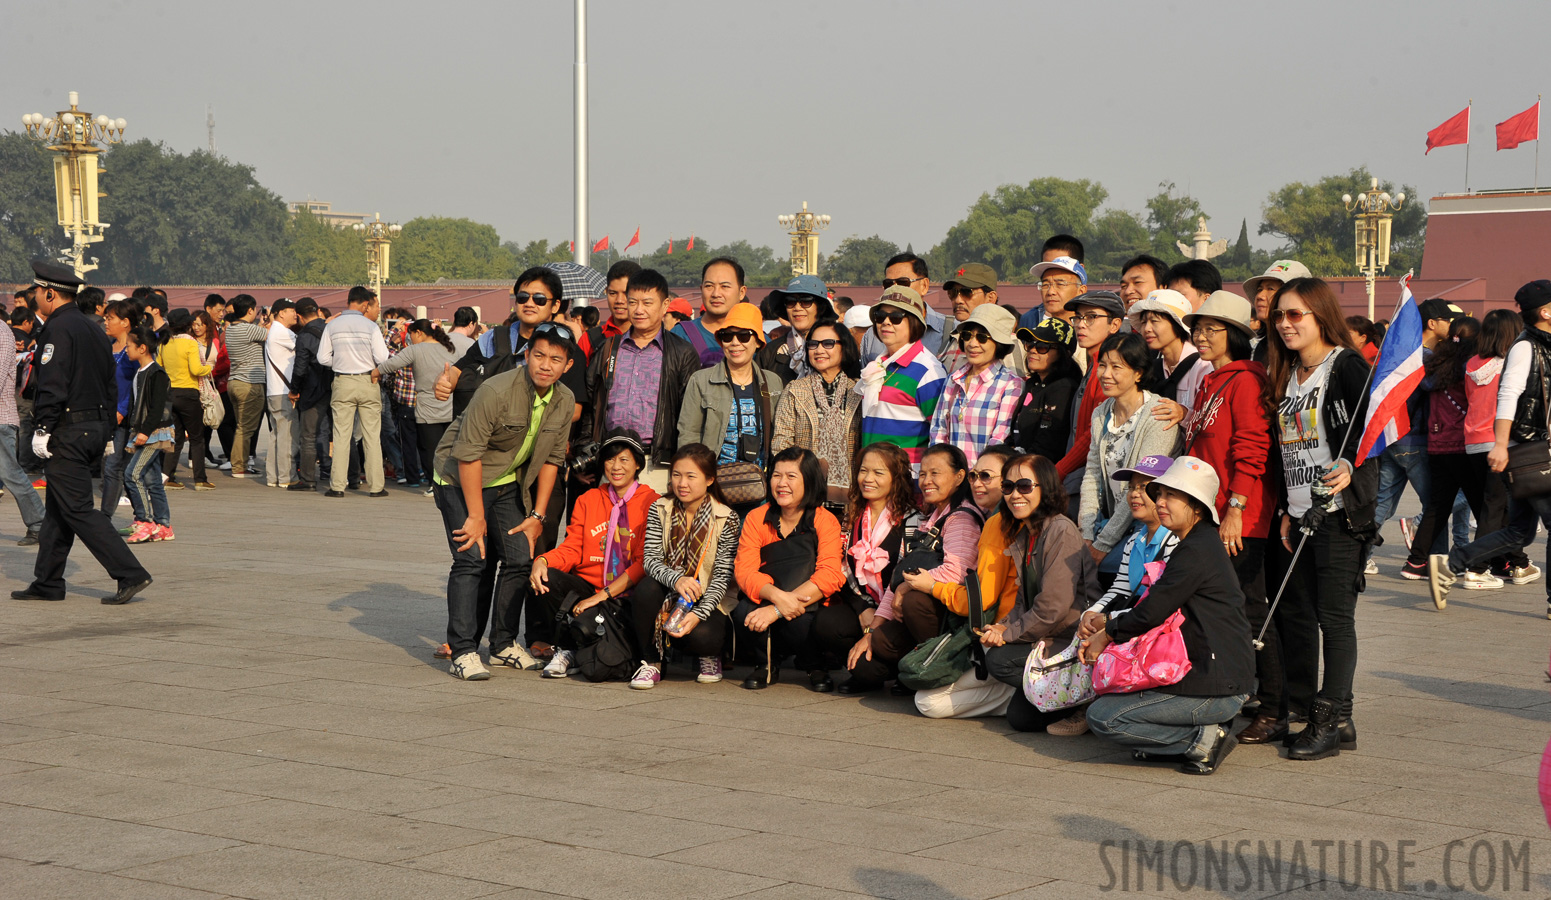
(1006, 227)
(188, 219)
(1320, 234)
(535, 253)
(29, 227)
(858, 260)
(682, 267)
(1115, 236)
(320, 253)
(1171, 218)
(432, 247)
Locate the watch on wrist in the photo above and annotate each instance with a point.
(1236, 503)
(537, 515)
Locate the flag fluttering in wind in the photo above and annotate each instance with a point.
(691, 244)
(1396, 374)
(1518, 129)
(635, 239)
(1455, 131)
(602, 245)
(670, 246)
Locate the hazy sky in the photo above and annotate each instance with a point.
(713, 117)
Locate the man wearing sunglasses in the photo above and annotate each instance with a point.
(971, 286)
(907, 270)
(1095, 316)
(537, 297)
(721, 288)
(637, 380)
(806, 301)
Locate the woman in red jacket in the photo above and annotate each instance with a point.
(602, 556)
(1229, 429)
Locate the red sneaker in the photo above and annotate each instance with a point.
(144, 532)
(163, 533)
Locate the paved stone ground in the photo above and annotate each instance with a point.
(268, 722)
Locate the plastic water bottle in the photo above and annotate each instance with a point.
(680, 612)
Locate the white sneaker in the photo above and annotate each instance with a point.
(1524, 574)
(1440, 579)
(1406, 531)
(516, 657)
(124, 501)
(226, 466)
(559, 666)
(469, 668)
(1372, 568)
(1480, 581)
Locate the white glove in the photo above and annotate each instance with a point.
(40, 445)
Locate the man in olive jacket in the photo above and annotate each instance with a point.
(509, 445)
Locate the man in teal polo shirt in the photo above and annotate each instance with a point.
(485, 473)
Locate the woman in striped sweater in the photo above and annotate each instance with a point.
(900, 389)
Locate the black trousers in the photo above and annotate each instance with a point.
(188, 423)
(308, 422)
(836, 629)
(785, 637)
(227, 430)
(1250, 566)
(69, 511)
(1452, 473)
(1318, 617)
(1005, 664)
(469, 603)
(645, 602)
(540, 609)
(427, 436)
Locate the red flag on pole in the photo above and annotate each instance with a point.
(691, 244)
(1520, 128)
(602, 245)
(573, 246)
(1455, 131)
(635, 239)
(670, 246)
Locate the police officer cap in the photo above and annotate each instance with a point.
(60, 277)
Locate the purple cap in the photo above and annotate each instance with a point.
(1147, 466)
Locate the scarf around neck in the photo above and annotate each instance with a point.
(616, 541)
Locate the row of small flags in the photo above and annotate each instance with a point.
(1511, 132)
(603, 245)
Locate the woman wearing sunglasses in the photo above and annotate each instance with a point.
(730, 407)
(982, 394)
(900, 389)
(1042, 421)
(1229, 429)
(1318, 384)
(821, 410)
(1124, 431)
(1034, 570)
(985, 477)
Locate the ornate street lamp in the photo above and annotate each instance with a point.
(1374, 209)
(805, 227)
(74, 136)
(379, 237)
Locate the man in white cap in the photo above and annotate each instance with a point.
(857, 321)
(1060, 281)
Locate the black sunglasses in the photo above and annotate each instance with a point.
(1021, 486)
(826, 343)
(974, 334)
(898, 282)
(535, 299)
(981, 475)
(893, 316)
(804, 302)
(741, 335)
(1038, 346)
(960, 291)
(554, 329)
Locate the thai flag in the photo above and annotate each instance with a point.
(1396, 375)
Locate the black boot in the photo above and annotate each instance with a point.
(1295, 726)
(819, 682)
(1322, 738)
(1348, 733)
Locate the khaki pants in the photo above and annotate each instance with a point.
(248, 404)
(356, 398)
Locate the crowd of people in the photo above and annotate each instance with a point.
(929, 505)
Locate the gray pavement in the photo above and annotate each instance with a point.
(267, 722)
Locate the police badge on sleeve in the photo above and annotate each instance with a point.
(48, 354)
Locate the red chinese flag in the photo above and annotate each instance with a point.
(602, 245)
(1455, 131)
(1520, 128)
(573, 246)
(691, 244)
(635, 239)
(670, 246)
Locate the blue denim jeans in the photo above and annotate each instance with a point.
(113, 470)
(1400, 463)
(469, 602)
(1158, 722)
(1523, 515)
(143, 479)
(17, 481)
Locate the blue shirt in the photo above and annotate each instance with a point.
(743, 420)
(124, 370)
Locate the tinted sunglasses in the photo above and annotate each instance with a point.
(1038, 346)
(535, 299)
(741, 335)
(898, 282)
(959, 291)
(892, 316)
(555, 329)
(1292, 315)
(1021, 486)
(825, 343)
(981, 475)
(974, 334)
(804, 302)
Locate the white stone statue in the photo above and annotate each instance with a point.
(1205, 247)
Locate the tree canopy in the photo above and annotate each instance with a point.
(1320, 233)
(858, 260)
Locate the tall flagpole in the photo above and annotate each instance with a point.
(1537, 142)
(1467, 143)
(582, 253)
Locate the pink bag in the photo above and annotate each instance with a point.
(1151, 660)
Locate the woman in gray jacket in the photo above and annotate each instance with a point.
(730, 407)
(1124, 433)
(429, 353)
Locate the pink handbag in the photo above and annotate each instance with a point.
(1147, 661)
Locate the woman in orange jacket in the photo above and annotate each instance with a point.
(788, 566)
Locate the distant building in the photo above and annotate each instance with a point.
(325, 211)
(1500, 237)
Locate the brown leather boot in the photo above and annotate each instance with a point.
(1263, 730)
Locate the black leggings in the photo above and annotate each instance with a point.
(1250, 566)
(1006, 665)
(427, 436)
(539, 609)
(708, 638)
(1448, 474)
(188, 420)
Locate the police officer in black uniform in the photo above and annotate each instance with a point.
(74, 412)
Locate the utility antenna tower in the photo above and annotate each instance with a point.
(210, 127)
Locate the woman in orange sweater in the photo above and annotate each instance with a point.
(601, 557)
(788, 565)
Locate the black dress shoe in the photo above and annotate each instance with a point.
(381, 493)
(819, 682)
(1149, 756)
(899, 690)
(127, 589)
(1264, 730)
(298, 486)
(1220, 750)
(353, 486)
(30, 539)
(333, 493)
(854, 685)
(30, 594)
(757, 680)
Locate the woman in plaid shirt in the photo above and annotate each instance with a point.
(982, 395)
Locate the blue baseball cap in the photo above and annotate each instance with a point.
(803, 286)
(1065, 264)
